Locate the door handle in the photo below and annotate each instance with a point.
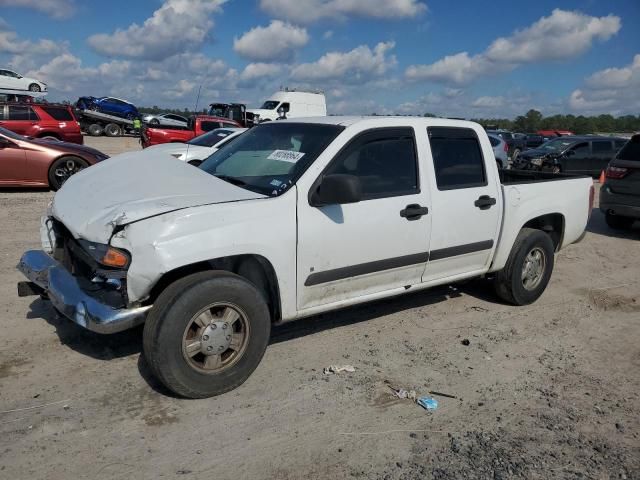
(413, 212)
(485, 202)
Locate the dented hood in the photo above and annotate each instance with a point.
(134, 186)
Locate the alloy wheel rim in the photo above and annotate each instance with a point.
(533, 268)
(64, 171)
(215, 338)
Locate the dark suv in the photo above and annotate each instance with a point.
(41, 120)
(620, 192)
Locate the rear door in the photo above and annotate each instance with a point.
(465, 196)
(20, 119)
(358, 249)
(602, 152)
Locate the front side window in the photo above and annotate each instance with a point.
(21, 113)
(384, 160)
(269, 158)
(457, 158)
(207, 126)
(270, 105)
(601, 146)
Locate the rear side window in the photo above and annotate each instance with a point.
(619, 144)
(384, 160)
(631, 150)
(58, 113)
(208, 126)
(601, 146)
(494, 141)
(457, 158)
(21, 113)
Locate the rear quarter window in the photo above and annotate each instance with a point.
(631, 150)
(59, 113)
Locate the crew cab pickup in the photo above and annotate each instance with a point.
(196, 126)
(294, 218)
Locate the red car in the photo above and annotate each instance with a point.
(30, 162)
(41, 120)
(197, 126)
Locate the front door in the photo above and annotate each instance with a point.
(577, 159)
(13, 162)
(382, 242)
(467, 210)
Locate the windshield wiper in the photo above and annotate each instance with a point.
(232, 180)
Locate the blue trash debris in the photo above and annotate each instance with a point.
(428, 403)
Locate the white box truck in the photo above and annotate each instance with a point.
(295, 104)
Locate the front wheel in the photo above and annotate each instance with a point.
(62, 169)
(34, 87)
(618, 222)
(528, 269)
(206, 334)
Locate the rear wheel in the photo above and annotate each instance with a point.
(528, 269)
(112, 130)
(95, 129)
(515, 155)
(34, 87)
(53, 138)
(617, 222)
(206, 333)
(63, 168)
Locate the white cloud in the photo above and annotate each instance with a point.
(356, 66)
(53, 8)
(612, 90)
(278, 41)
(309, 11)
(488, 102)
(259, 71)
(327, 35)
(177, 26)
(560, 36)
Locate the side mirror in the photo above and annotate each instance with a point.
(337, 189)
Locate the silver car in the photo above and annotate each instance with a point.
(500, 150)
(169, 119)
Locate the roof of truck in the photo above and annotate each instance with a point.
(347, 121)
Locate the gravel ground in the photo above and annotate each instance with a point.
(543, 392)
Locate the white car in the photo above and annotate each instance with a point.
(10, 80)
(196, 150)
(292, 219)
(169, 119)
(500, 150)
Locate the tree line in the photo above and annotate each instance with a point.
(533, 121)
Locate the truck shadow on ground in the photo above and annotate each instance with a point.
(128, 343)
(598, 225)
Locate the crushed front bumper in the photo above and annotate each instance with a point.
(68, 298)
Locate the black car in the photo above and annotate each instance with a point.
(620, 192)
(588, 154)
(533, 140)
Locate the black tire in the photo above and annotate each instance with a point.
(173, 313)
(62, 169)
(34, 87)
(95, 130)
(154, 121)
(618, 222)
(112, 130)
(515, 155)
(195, 163)
(509, 284)
(50, 137)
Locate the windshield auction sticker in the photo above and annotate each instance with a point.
(286, 156)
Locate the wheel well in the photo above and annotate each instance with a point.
(254, 268)
(552, 224)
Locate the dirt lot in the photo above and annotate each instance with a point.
(546, 391)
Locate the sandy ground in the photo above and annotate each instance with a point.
(545, 391)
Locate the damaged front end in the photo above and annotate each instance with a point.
(85, 281)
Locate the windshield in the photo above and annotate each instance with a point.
(10, 134)
(211, 138)
(269, 158)
(631, 151)
(217, 110)
(270, 105)
(557, 145)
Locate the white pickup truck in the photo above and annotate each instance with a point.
(293, 218)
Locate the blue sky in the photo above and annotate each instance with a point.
(463, 58)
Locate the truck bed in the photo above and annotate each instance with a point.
(515, 177)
